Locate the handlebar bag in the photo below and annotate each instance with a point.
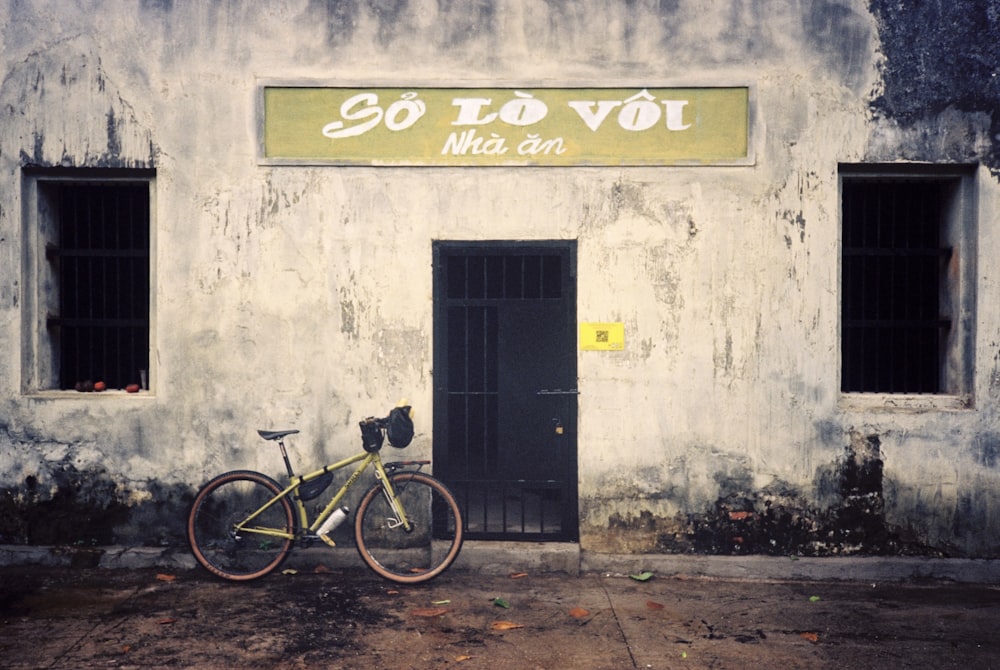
(399, 427)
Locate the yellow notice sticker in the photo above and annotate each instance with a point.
(602, 336)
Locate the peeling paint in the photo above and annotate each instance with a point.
(348, 322)
(797, 225)
(83, 91)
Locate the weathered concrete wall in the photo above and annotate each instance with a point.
(302, 295)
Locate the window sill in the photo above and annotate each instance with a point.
(91, 395)
(901, 402)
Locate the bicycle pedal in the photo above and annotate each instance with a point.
(328, 540)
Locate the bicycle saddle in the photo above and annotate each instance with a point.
(275, 434)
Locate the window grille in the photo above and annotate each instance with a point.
(893, 275)
(99, 259)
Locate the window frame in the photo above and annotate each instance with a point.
(957, 285)
(39, 360)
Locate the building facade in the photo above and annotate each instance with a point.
(711, 277)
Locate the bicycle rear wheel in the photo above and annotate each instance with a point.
(431, 545)
(226, 501)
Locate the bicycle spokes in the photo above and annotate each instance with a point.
(408, 527)
(413, 536)
(218, 538)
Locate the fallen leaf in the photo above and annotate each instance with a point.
(289, 571)
(322, 569)
(441, 602)
(738, 516)
(500, 602)
(814, 599)
(392, 592)
(166, 578)
(459, 659)
(518, 575)
(642, 576)
(505, 625)
(429, 612)
(653, 605)
(168, 620)
(812, 637)
(579, 613)
(126, 649)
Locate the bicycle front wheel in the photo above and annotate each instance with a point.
(433, 541)
(227, 501)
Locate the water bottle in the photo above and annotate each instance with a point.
(331, 522)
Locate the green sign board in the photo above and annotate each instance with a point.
(505, 126)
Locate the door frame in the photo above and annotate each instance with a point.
(443, 250)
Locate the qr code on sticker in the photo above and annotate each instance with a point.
(602, 335)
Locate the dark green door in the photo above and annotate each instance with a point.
(505, 402)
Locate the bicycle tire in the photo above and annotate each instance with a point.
(225, 501)
(423, 553)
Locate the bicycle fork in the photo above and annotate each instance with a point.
(398, 517)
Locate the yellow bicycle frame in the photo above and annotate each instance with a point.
(366, 459)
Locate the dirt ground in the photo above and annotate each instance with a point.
(91, 618)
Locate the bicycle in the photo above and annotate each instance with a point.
(407, 528)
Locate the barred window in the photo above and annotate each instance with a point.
(904, 242)
(93, 264)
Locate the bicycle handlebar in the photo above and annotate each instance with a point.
(398, 424)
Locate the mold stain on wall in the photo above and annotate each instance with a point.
(89, 508)
(779, 519)
(940, 56)
(64, 498)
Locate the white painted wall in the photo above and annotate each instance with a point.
(301, 296)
